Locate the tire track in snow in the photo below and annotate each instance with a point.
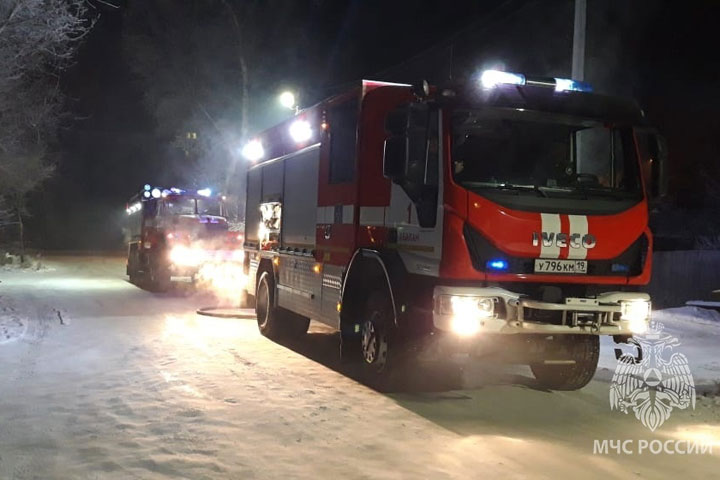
(12, 326)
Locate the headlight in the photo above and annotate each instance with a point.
(187, 257)
(481, 307)
(637, 313)
(467, 312)
(635, 310)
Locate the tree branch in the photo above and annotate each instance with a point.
(14, 11)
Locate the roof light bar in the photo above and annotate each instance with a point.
(493, 78)
(136, 207)
(570, 85)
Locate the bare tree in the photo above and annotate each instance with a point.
(38, 39)
(22, 174)
(211, 69)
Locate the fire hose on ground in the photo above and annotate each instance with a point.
(220, 311)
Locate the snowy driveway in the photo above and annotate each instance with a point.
(99, 379)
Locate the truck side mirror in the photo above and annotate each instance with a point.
(396, 121)
(653, 161)
(395, 157)
(661, 166)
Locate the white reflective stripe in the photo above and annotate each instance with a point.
(347, 213)
(578, 226)
(325, 214)
(550, 226)
(373, 216)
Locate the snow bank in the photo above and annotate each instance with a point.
(698, 330)
(689, 314)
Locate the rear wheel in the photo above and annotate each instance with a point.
(557, 373)
(276, 322)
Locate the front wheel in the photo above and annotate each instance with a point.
(159, 277)
(380, 352)
(570, 363)
(133, 265)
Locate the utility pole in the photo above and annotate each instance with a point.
(578, 54)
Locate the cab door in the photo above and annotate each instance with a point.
(337, 184)
(336, 225)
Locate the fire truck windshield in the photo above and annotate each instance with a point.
(208, 206)
(180, 206)
(525, 153)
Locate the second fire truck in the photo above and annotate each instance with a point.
(174, 232)
(507, 215)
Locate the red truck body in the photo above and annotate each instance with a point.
(174, 232)
(432, 204)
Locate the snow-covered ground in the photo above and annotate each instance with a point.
(99, 379)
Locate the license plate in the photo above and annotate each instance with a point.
(560, 266)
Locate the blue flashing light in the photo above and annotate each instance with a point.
(205, 192)
(569, 85)
(497, 264)
(147, 187)
(620, 268)
(493, 78)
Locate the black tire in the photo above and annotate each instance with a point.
(159, 277)
(381, 354)
(132, 271)
(583, 349)
(275, 322)
(133, 266)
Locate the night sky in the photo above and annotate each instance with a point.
(661, 53)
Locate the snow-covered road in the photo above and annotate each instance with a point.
(99, 379)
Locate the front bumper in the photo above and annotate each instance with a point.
(514, 313)
(187, 261)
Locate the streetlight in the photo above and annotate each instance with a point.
(287, 100)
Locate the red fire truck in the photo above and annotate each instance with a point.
(508, 215)
(173, 232)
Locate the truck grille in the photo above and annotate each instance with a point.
(628, 263)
